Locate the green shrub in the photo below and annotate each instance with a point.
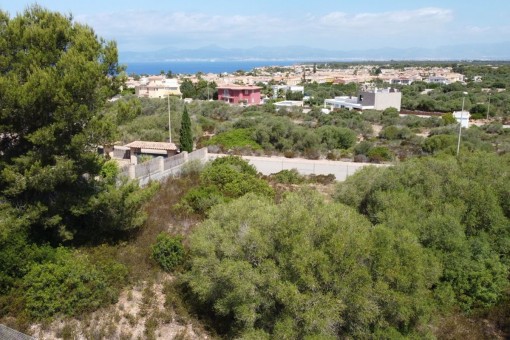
(312, 153)
(289, 154)
(70, 285)
(234, 139)
(201, 199)
(393, 132)
(237, 163)
(288, 177)
(362, 148)
(379, 154)
(448, 119)
(437, 143)
(168, 251)
(389, 132)
(334, 137)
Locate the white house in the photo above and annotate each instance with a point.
(377, 99)
(462, 117)
(347, 102)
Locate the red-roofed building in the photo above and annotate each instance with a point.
(239, 94)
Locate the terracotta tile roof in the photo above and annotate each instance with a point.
(152, 145)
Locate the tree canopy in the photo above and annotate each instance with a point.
(457, 208)
(55, 75)
(306, 268)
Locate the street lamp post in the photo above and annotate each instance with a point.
(460, 123)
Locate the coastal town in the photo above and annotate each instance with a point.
(165, 174)
(292, 77)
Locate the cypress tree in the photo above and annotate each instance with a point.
(186, 138)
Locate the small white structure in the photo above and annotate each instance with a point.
(401, 81)
(462, 117)
(288, 104)
(437, 80)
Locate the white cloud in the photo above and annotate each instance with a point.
(477, 29)
(138, 30)
(415, 17)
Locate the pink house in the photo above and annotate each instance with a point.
(239, 94)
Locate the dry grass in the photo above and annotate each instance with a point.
(460, 327)
(141, 313)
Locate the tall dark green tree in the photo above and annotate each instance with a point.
(188, 89)
(55, 76)
(186, 137)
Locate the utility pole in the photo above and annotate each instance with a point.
(169, 120)
(488, 106)
(460, 123)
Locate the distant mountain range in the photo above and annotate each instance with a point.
(484, 51)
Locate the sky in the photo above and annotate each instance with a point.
(328, 24)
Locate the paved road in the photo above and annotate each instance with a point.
(271, 165)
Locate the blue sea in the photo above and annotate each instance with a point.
(192, 67)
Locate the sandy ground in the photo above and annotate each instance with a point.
(127, 319)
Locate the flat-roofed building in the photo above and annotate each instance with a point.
(378, 99)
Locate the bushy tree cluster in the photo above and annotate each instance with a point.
(456, 208)
(306, 268)
(222, 180)
(200, 90)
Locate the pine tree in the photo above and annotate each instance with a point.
(55, 77)
(186, 138)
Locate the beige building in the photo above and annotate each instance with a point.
(158, 87)
(381, 99)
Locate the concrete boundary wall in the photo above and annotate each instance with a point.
(176, 160)
(159, 168)
(198, 155)
(121, 152)
(270, 165)
(146, 168)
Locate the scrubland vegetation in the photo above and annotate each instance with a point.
(420, 249)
